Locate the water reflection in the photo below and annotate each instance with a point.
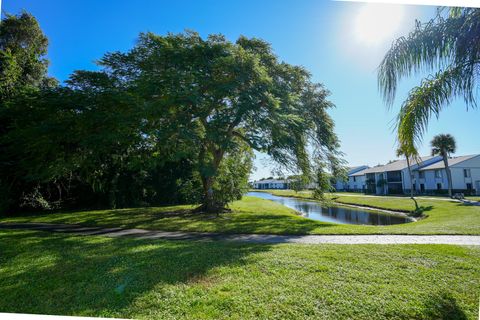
(344, 215)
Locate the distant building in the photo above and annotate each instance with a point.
(428, 174)
(465, 176)
(352, 183)
(271, 184)
(393, 178)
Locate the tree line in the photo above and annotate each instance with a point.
(173, 120)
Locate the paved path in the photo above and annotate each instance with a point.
(252, 238)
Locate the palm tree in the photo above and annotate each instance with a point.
(409, 155)
(444, 145)
(447, 45)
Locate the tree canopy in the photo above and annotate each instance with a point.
(23, 47)
(177, 114)
(219, 95)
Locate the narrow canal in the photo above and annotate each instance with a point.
(335, 214)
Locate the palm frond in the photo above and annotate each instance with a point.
(429, 99)
(440, 43)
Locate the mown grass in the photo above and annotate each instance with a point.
(403, 204)
(254, 215)
(151, 279)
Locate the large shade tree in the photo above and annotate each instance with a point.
(443, 145)
(448, 45)
(222, 97)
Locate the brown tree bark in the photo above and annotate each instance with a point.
(210, 204)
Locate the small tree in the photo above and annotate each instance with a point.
(381, 183)
(232, 181)
(297, 182)
(444, 145)
(323, 183)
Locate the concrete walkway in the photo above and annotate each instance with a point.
(251, 238)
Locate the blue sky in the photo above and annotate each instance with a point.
(322, 36)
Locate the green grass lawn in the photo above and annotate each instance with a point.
(253, 215)
(152, 279)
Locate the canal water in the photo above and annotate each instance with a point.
(335, 214)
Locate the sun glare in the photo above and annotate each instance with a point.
(376, 23)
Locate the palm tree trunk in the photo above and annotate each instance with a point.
(410, 177)
(449, 174)
(411, 185)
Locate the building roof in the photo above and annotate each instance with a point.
(393, 166)
(451, 162)
(352, 170)
(271, 181)
(359, 173)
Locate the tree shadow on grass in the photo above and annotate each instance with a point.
(420, 211)
(96, 276)
(443, 307)
(469, 203)
(183, 219)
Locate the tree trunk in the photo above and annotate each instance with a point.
(210, 204)
(410, 178)
(449, 175)
(411, 185)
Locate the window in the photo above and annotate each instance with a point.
(394, 176)
(469, 186)
(354, 179)
(439, 186)
(466, 173)
(421, 174)
(422, 187)
(438, 174)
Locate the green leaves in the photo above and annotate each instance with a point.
(201, 104)
(218, 96)
(23, 47)
(443, 144)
